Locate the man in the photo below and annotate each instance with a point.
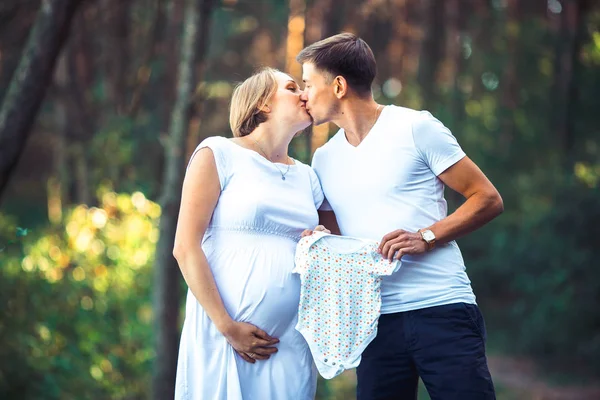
(383, 176)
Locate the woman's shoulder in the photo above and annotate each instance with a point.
(215, 140)
(218, 144)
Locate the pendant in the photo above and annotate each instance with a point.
(283, 178)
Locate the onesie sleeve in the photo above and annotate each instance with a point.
(384, 267)
(219, 150)
(435, 143)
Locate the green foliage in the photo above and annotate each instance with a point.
(536, 275)
(10, 235)
(77, 317)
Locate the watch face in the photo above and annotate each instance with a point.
(428, 236)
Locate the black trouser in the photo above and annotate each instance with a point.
(443, 345)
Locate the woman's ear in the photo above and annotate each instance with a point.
(265, 108)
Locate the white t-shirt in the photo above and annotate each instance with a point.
(388, 182)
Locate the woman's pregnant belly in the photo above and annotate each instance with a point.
(257, 285)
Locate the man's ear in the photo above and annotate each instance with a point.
(340, 86)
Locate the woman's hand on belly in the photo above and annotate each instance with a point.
(249, 341)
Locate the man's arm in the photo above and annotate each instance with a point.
(483, 203)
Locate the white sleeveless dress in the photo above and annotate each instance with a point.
(250, 245)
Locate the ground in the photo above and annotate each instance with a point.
(521, 380)
(515, 378)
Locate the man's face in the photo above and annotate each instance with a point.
(318, 94)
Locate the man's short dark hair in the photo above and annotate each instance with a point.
(344, 54)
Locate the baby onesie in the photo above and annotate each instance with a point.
(340, 298)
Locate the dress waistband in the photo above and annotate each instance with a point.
(245, 232)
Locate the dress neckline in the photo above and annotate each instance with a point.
(260, 156)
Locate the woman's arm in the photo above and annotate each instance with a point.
(201, 191)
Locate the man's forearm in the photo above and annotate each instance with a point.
(476, 211)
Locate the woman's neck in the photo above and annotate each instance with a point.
(272, 145)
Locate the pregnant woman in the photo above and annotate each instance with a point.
(244, 205)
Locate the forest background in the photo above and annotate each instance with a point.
(103, 101)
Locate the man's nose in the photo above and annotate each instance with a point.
(303, 96)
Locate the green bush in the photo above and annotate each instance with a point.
(539, 279)
(77, 318)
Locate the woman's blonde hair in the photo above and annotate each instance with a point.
(247, 100)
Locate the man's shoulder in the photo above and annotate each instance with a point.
(412, 122)
(334, 142)
(407, 115)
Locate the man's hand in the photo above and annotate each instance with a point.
(250, 342)
(318, 228)
(400, 242)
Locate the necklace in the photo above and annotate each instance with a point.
(283, 174)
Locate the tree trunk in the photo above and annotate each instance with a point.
(82, 112)
(452, 53)
(115, 51)
(60, 179)
(170, 46)
(396, 46)
(195, 127)
(78, 126)
(569, 43)
(295, 37)
(145, 70)
(481, 34)
(318, 14)
(456, 57)
(431, 51)
(319, 20)
(30, 81)
(294, 44)
(166, 271)
(510, 78)
(413, 38)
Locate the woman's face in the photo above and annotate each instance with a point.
(286, 105)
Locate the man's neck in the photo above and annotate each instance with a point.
(356, 117)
